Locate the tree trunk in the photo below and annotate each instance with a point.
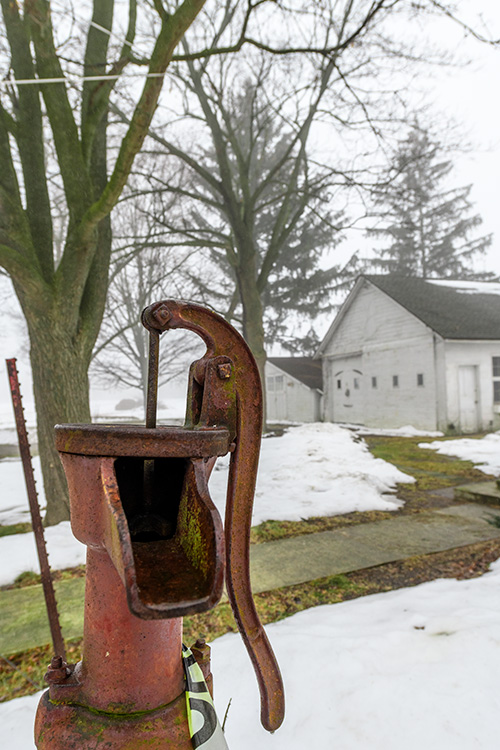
(253, 319)
(61, 390)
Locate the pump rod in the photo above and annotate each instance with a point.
(152, 395)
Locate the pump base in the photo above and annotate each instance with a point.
(62, 726)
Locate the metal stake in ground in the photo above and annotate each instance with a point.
(36, 518)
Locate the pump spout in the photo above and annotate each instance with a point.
(168, 547)
(168, 570)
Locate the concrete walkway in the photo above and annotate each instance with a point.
(304, 558)
(285, 562)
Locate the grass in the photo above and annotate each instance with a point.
(30, 578)
(431, 470)
(15, 528)
(23, 615)
(22, 673)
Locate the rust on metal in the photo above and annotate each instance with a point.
(58, 671)
(236, 402)
(152, 393)
(36, 518)
(201, 652)
(157, 549)
(134, 440)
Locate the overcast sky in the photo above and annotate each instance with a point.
(469, 94)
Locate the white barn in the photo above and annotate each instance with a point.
(415, 351)
(293, 389)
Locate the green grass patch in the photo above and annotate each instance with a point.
(23, 615)
(494, 520)
(30, 578)
(431, 470)
(23, 673)
(270, 531)
(15, 528)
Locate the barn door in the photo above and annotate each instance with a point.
(276, 398)
(348, 403)
(468, 398)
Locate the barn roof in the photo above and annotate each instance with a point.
(305, 369)
(453, 309)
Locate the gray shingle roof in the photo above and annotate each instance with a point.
(451, 312)
(305, 369)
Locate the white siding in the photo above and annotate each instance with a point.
(406, 403)
(471, 353)
(373, 317)
(377, 337)
(294, 401)
(382, 340)
(441, 394)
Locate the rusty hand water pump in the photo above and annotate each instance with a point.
(157, 550)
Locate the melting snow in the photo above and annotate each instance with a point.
(417, 668)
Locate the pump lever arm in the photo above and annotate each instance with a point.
(222, 340)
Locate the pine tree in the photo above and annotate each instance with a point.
(429, 227)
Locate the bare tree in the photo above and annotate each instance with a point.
(143, 270)
(63, 65)
(251, 193)
(63, 297)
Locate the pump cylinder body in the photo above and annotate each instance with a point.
(155, 552)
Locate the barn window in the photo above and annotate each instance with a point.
(420, 378)
(279, 382)
(270, 384)
(356, 383)
(496, 380)
(496, 391)
(395, 381)
(339, 384)
(374, 382)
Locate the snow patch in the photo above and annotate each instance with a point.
(312, 470)
(405, 431)
(18, 552)
(316, 469)
(415, 668)
(483, 452)
(468, 287)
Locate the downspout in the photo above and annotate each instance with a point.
(437, 382)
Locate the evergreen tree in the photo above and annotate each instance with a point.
(257, 206)
(429, 227)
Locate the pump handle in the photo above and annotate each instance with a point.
(228, 346)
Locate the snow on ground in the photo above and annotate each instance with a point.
(417, 668)
(406, 431)
(317, 469)
(484, 452)
(312, 470)
(18, 552)
(14, 506)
